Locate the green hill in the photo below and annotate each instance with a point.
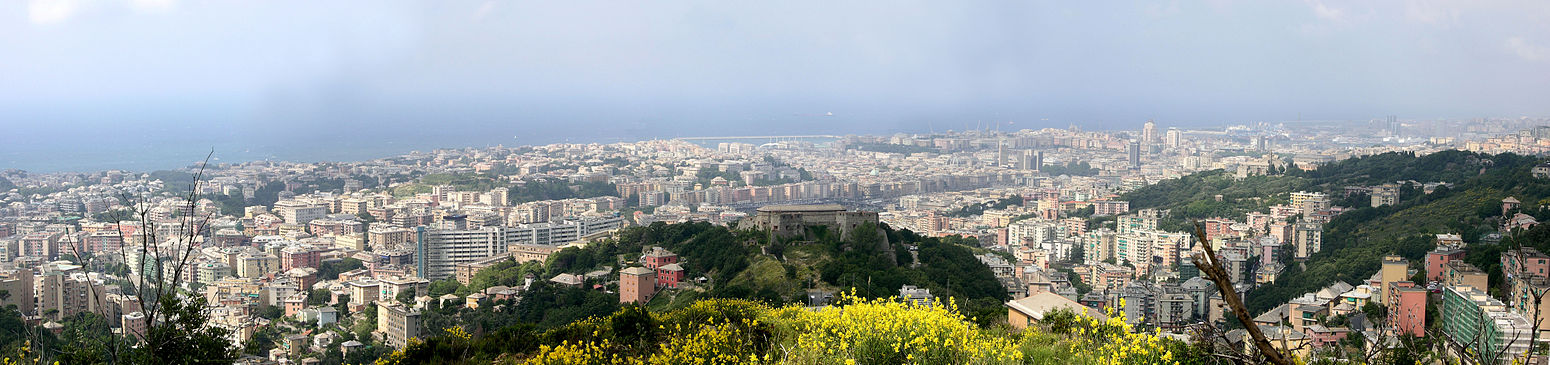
(1355, 241)
(874, 261)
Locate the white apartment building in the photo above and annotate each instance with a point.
(440, 251)
(296, 212)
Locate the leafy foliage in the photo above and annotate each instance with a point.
(870, 331)
(330, 270)
(1194, 196)
(185, 336)
(535, 190)
(977, 209)
(548, 305)
(1073, 169)
(114, 216)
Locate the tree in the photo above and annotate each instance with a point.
(185, 336)
(444, 286)
(179, 331)
(114, 216)
(270, 312)
(343, 306)
(406, 297)
(317, 297)
(330, 270)
(367, 324)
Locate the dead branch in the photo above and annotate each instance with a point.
(1212, 268)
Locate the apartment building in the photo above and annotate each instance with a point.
(397, 324)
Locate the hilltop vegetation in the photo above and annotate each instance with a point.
(1194, 197)
(872, 262)
(878, 331)
(1080, 168)
(1355, 241)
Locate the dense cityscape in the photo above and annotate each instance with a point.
(464, 182)
(331, 261)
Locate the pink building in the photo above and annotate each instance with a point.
(1282, 231)
(1074, 226)
(1110, 207)
(1438, 258)
(1324, 336)
(1218, 227)
(295, 257)
(1407, 308)
(637, 285)
(668, 276)
(658, 257)
(1534, 263)
(1267, 254)
(40, 244)
(104, 241)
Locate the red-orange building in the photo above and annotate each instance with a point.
(1438, 258)
(668, 276)
(658, 257)
(297, 257)
(1407, 308)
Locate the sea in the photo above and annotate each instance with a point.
(164, 146)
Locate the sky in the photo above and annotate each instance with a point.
(92, 84)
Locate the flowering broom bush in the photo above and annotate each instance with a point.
(1088, 340)
(858, 331)
(888, 331)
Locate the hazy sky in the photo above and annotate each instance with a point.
(571, 69)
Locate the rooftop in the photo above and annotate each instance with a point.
(635, 271)
(1462, 266)
(803, 208)
(1038, 304)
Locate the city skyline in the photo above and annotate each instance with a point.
(235, 149)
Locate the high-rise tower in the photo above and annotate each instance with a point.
(1135, 154)
(1149, 133)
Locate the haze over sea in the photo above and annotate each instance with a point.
(171, 140)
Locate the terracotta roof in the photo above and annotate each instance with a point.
(1036, 305)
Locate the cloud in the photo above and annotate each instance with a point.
(1326, 12)
(1527, 49)
(1158, 10)
(152, 6)
(1431, 11)
(44, 12)
(51, 11)
(484, 10)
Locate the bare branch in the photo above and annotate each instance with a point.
(1212, 268)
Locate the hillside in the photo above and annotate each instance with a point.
(872, 262)
(1356, 240)
(726, 331)
(1194, 197)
